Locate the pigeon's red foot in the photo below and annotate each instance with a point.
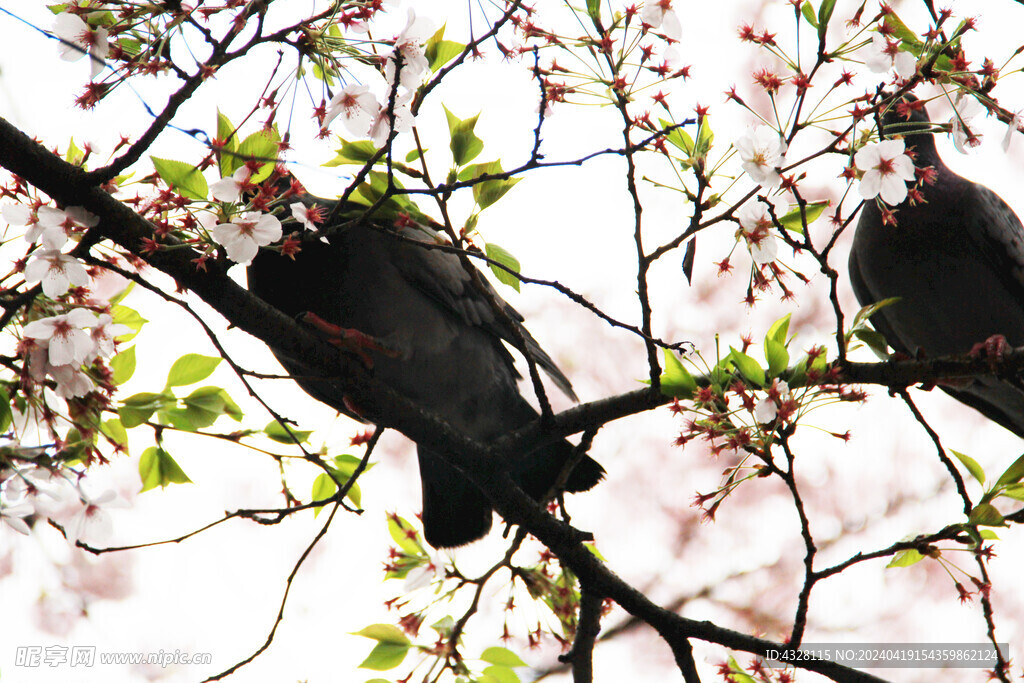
(992, 348)
(348, 339)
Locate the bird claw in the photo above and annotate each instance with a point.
(348, 339)
(992, 348)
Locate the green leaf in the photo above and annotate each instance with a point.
(385, 656)
(676, 381)
(278, 433)
(404, 534)
(793, 221)
(678, 137)
(496, 253)
(501, 657)
(1015, 491)
(260, 146)
(905, 558)
(779, 329)
(115, 431)
(129, 317)
(986, 514)
(971, 464)
(807, 10)
(138, 408)
(191, 368)
(465, 145)
(158, 468)
(204, 405)
(705, 136)
(184, 178)
(499, 674)
(6, 415)
(594, 10)
(750, 368)
(487, 192)
(439, 51)
(227, 160)
(875, 341)
(777, 356)
(897, 28)
(358, 152)
(323, 488)
(384, 633)
(824, 14)
(123, 365)
(1013, 473)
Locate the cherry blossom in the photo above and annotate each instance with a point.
(756, 228)
(243, 237)
(230, 189)
(886, 171)
(56, 271)
(885, 54)
(13, 514)
(71, 381)
(93, 521)
(103, 334)
(964, 138)
(47, 492)
(1013, 127)
(357, 107)
(380, 128)
(409, 45)
(767, 409)
(64, 336)
(660, 14)
(78, 39)
(762, 151)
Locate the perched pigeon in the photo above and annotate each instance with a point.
(957, 263)
(434, 339)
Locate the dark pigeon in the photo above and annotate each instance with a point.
(957, 263)
(445, 351)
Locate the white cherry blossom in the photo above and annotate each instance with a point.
(56, 271)
(762, 151)
(357, 107)
(884, 55)
(965, 138)
(64, 336)
(230, 189)
(79, 39)
(244, 235)
(756, 228)
(660, 14)
(886, 171)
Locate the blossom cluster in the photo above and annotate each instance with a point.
(363, 114)
(60, 495)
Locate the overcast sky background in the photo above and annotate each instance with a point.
(219, 591)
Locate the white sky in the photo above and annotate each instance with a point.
(219, 592)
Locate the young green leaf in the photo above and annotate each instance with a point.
(385, 656)
(749, 367)
(501, 657)
(439, 51)
(496, 253)
(905, 558)
(138, 408)
(123, 365)
(779, 329)
(158, 468)
(676, 381)
(971, 464)
(191, 368)
(358, 152)
(777, 356)
(227, 137)
(1013, 474)
(986, 514)
(183, 178)
(261, 146)
(278, 433)
(793, 221)
(465, 145)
